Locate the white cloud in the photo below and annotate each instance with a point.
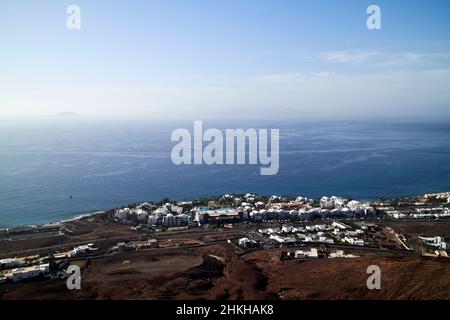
(382, 58)
(352, 57)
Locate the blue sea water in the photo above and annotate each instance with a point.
(109, 163)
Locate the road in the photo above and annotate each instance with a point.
(46, 250)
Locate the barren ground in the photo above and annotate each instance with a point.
(217, 272)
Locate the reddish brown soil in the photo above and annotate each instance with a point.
(216, 272)
(403, 277)
(423, 228)
(81, 230)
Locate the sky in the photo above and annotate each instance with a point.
(202, 59)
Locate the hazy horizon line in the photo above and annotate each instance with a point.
(147, 117)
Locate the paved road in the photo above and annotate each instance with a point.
(188, 246)
(180, 234)
(45, 250)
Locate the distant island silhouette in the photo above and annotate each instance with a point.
(67, 114)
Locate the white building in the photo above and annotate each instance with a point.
(246, 242)
(269, 231)
(181, 219)
(122, 214)
(324, 213)
(437, 242)
(237, 200)
(256, 215)
(303, 214)
(227, 197)
(339, 225)
(396, 214)
(20, 274)
(354, 241)
(275, 198)
(141, 214)
(152, 220)
(340, 254)
(324, 239)
(294, 214)
(283, 240)
(168, 220)
(9, 263)
(346, 212)
(244, 215)
(81, 250)
(312, 254)
(316, 227)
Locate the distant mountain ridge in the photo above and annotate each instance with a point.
(67, 114)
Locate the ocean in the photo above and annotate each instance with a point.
(54, 169)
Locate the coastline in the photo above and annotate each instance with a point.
(80, 216)
(315, 160)
(73, 218)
